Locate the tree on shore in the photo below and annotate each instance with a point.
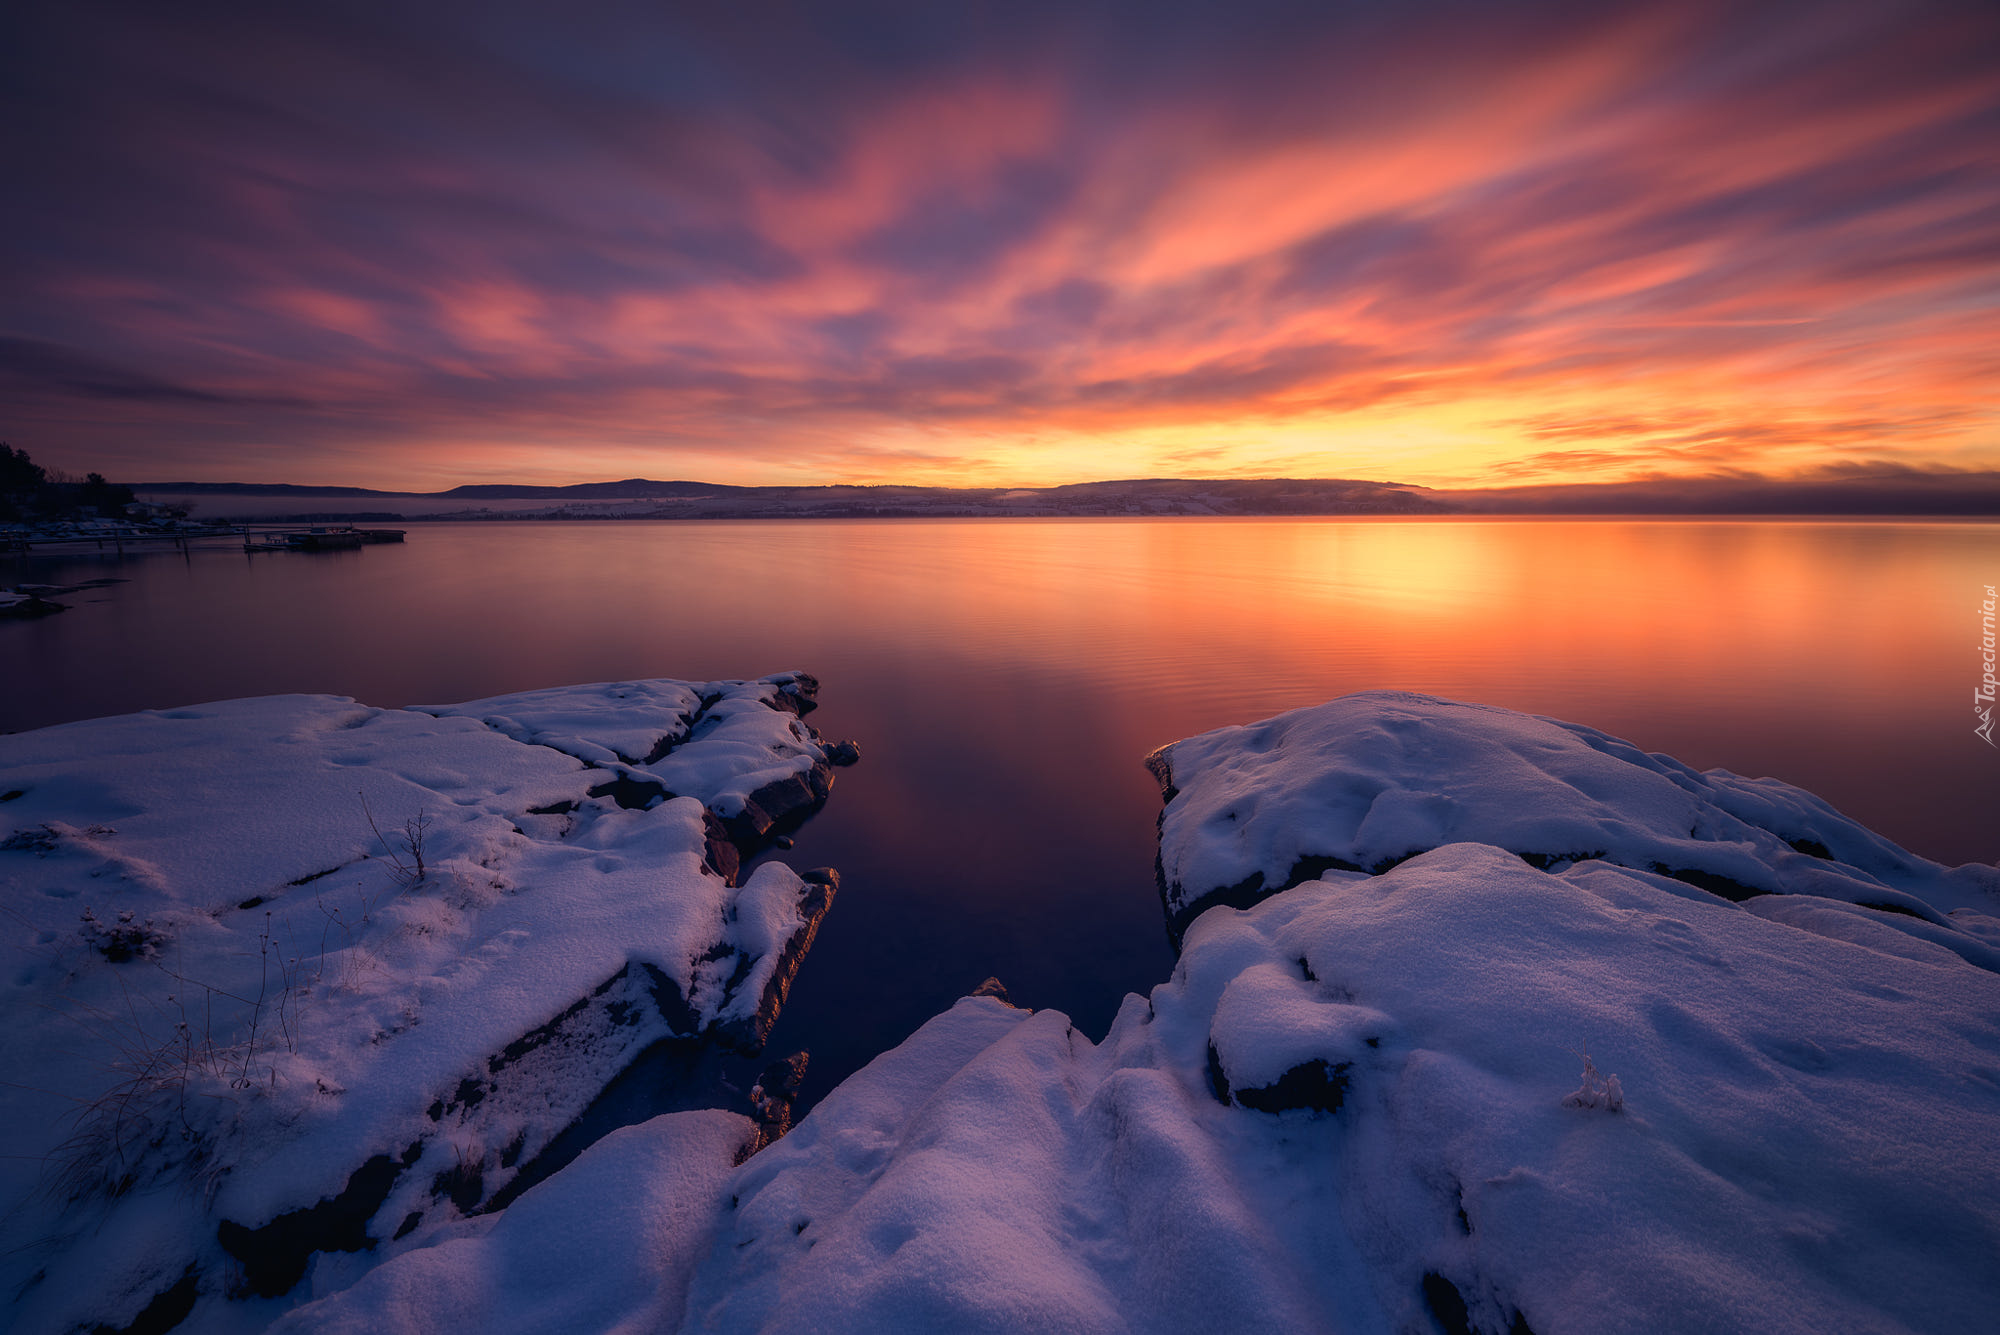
(28, 488)
(21, 480)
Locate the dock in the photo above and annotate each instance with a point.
(320, 538)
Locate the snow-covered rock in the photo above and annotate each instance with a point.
(609, 1243)
(296, 975)
(747, 754)
(1464, 1092)
(1804, 1142)
(1373, 778)
(1467, 1093)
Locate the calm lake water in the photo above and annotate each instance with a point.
(1005, 677)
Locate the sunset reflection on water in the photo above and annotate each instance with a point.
(1004, 677)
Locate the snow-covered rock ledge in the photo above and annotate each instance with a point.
(299, 983)
(1372, 779)
(1450, 1090)
(1468, 1093)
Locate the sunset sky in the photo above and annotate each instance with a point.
(413, 245)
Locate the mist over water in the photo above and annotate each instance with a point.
(1004, 678)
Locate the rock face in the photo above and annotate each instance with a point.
(351, 969)
(1372, 779)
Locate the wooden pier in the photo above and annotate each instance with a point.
(317, 539)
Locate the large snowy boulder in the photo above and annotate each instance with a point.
(1373, 778)
(301, 981)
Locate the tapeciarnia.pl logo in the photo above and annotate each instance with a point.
(1982, 696)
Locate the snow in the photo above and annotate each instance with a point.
(1783, 1121)
(1779, 1131)
(1444, 1085)
(232, 988)
(607, 1244)
(748, 739)
(1372, 778)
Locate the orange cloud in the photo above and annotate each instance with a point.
(1452, 246)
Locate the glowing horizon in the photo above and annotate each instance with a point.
(1445, 245)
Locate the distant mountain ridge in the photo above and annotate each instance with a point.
(702, 500)
(630, 489)
(1887, 491)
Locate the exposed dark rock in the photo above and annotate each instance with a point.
(780, 806)
(1544, 861)
(13, 793)
(666, 994)
(798, 696)
(1447, 1304)
(1312, 866)
(749, 1035)
(842, 754)
(1449, 1308)
(1249, 891)
(274, 1256)
(1246, 892)
(720, 852)
(1311, 1085)
(626, 1012)
(771, 1100)
(1218, 1083)
(1714, 882)
(1162, 770)
(668, 743)
(578, 1023)
(168, 1308)
(1811, 848)
(631, 793)
(994, 988)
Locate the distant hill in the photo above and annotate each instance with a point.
(632, 488)
(1882, 492)
(643, 498)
